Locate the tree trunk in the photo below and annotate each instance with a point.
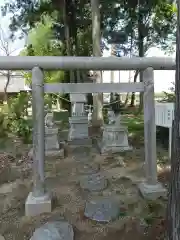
(127, 94)
(67, 36)
(133, 96)
(97, 116)
(173, 209)
(8, 76)
(73, 32)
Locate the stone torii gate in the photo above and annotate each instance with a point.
(39, 200)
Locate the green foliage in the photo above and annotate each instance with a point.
(3, 125)
(148, 24)
(169, 96)
(16, 119)
(41, 43)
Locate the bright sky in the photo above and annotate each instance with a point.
(162, 79)
(17, 45)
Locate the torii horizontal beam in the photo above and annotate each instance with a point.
(85, 63)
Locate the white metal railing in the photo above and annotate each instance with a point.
(164, 115)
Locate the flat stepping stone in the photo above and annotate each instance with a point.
(85, 159)
(102, 210)
(88, 168)
(81, 151)
(94, 182)
(54, 231)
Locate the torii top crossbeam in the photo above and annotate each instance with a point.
(86, 63)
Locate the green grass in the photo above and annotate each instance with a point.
(135, 126)
(134, 123)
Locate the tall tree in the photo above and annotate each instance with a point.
(146, 23)
(173, 211)
(97, 117)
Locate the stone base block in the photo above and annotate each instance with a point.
(114, 149)
(55, 153)
(152, 192)
(36, 205)
(63, 135)
(51, 131)
(78, 127)
(80, 142)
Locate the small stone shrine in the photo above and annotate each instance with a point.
(115, 135)
(52, 147)
(78, 132)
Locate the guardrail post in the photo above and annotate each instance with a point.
(39, 200)
(150, 188)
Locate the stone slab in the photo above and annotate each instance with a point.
(83, 159)
(78, 135)
(93, 182)
(102, 209)
(51, 143)
(51, 131)
(114, 149)
(36, 205)
(58, 230)
(78, 97)
(50, 153)
(81, 151)
(78, 119)
(104, 149)
(152, 192)
(55, 153)
(80, 142)
(78, 131)
(88, 168)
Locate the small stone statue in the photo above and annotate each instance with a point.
(111, 117)
(49, 120)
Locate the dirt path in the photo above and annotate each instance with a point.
(123, 173)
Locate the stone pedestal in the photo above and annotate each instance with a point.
(52, 147)
(152, 191)
(114, 139)
(37, 205)
(78, 132)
